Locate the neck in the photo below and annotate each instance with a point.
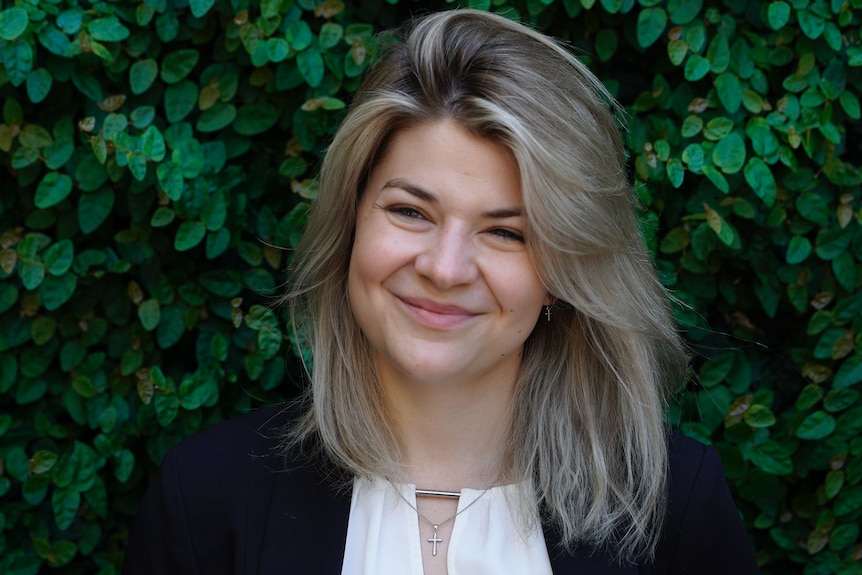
(451, 436)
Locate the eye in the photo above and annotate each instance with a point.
(507, 234)
(406, 212)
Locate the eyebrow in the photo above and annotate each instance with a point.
(427, 196)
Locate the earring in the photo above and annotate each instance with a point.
(548, 312)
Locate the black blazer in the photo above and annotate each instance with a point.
(222, 503)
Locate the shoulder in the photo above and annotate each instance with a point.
(222, 447)
(703, 532)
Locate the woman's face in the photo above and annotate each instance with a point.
(440, 280)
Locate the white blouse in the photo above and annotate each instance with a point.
(383, 533)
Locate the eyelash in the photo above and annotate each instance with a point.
(508, 235)
(413, 213)
(406, 211)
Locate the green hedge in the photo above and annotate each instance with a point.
(157, 157)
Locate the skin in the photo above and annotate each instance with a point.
(442, 285)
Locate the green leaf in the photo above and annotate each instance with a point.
(813, 208)
(729, 91)
(684, 11)
(811, 24)
(54, 291)
(200, 7)
(850, 103)
(696, 67)
(24, 157)
(816, 426)
(196, 391)
(167, 406)
(18, 59)
(100, 148)
(124, 465)
(254, 120)
(13, 22)
(59, 257)
(778, 14)
(217, 243)
(760, 178)
(162, 217)
(149, 312)
(718, 53)
(137, 165)
(768, 296)
(330, 35)
(311, 66)
(65, 502)
(840, 399)
(729, 153)
(224, 283)
(833, 80)
(844, 268)
(675, 172)
(292, 167)
(217, 117)
(677, 50)
(718, 128)
(277, 49)
(180, 99)
(651, 24)
(721, 227)
(142, 116)
(8, 297)
(170, 178)
(189, 234)
(34, 136)
(108, 29)
(611, 6)
(849, 500)
(771, 458)
(832, 242)
(31, 274)
(177, 65)
(153, 144)
(758, 416)
(142, 74)
(849, 374)
(299, 34)
(42, 462)
(39, 85)
(715, 370)
(171, 326)
(53, 189)
(716, 177)
(94, 208)
(798, 250)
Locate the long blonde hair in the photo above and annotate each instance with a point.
(587, 428)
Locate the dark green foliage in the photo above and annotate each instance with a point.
(157, 161)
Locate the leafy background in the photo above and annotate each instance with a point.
(157, 157)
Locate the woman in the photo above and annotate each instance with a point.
(492, 350)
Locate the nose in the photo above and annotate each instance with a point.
(448, 259)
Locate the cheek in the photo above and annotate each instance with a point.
(520, 288)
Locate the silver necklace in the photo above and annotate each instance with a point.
(435, 539)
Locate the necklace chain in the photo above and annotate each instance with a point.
(435, 539)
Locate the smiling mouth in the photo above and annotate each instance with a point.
(437, 315)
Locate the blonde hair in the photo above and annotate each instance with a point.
(587, 428)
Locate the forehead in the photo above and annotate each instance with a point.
(444, 152)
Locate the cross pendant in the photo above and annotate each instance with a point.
(434, 541)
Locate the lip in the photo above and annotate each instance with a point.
(436, 315)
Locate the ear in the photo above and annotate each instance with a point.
(549, 300)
